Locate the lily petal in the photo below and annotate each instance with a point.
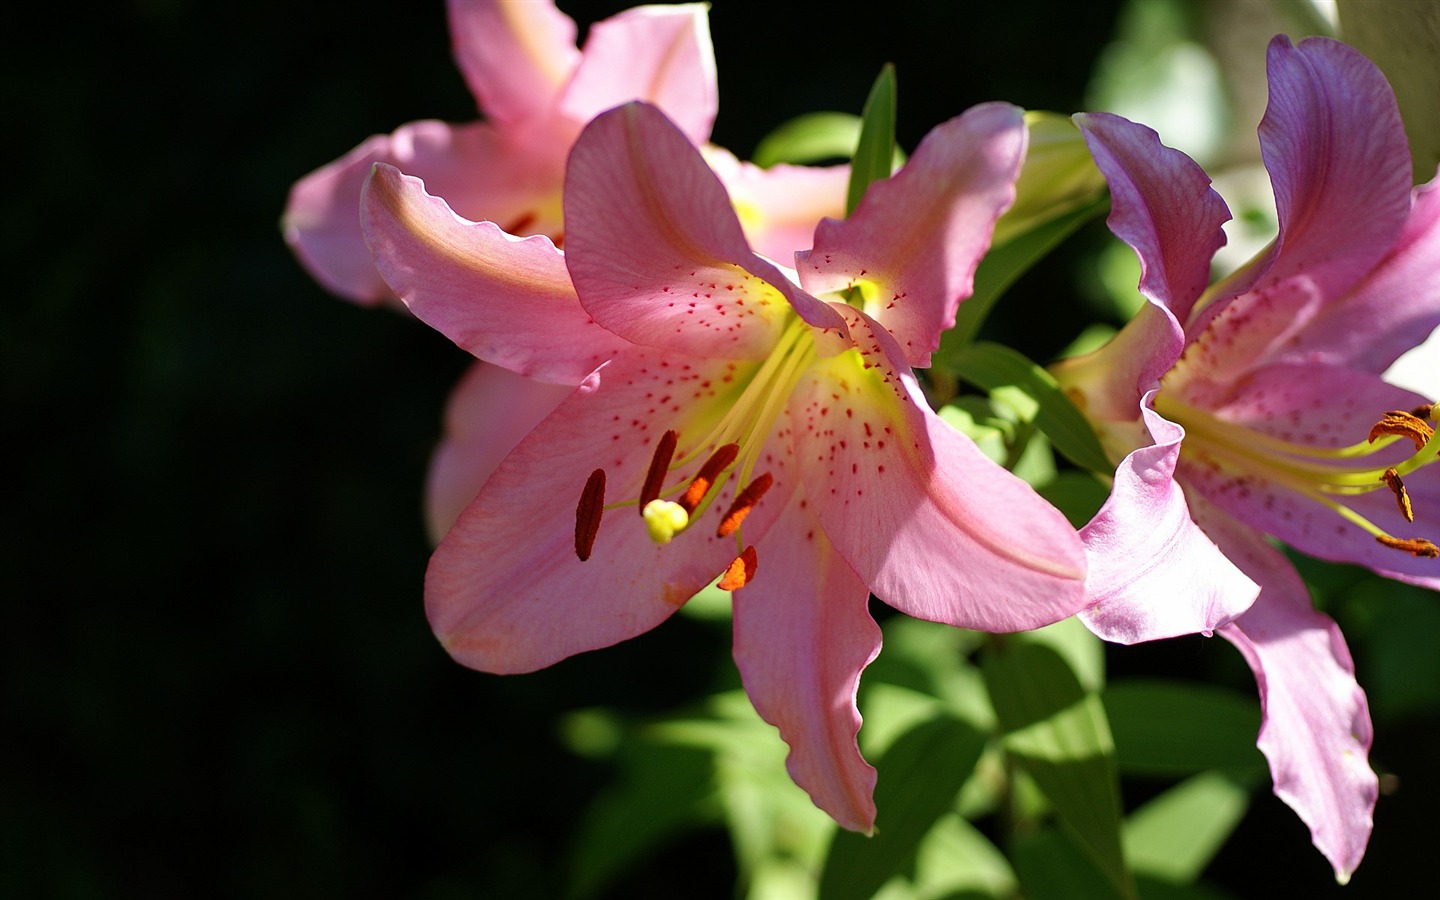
(1162, 205)
(1316, 730)
(656, 251)
(660, 54)
(918, 236)
(473, 166)
(1153, 572)
(507, 301)
(515, 56)
(488, 412)
(803, 635)
(506, 592)
(1393, 309)
(935, 528)
(1335, 147)
(779, 206)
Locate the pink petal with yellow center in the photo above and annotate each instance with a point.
(918, 236)
(1316, 729)
(507, 301)
(779, 207)
(1153, 572)
(803, 635)
(656, 252)
(659, 54)
(515, 56)
(929, 522)
(506, 590)
(488, 412)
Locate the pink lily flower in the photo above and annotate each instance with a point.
(537, 91)
(729, 420)
(1257, 408)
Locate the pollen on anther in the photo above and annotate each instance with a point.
(588, 512)
(740, 572)
(705, 478)
(1397, 487)
(1403, 424)
(1414, 546)
(745, 502)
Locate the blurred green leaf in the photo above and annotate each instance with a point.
(875, 150)
(990, 366)
(1179, 728)
(1081, 649)
(1057, 732)
(1052, 867)
(814, 138)
(1077, 494)
(956, 860)
(920, 776)
(999, 269)
(1175, 835)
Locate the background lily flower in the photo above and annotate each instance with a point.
(728, 419)
(1257, 408)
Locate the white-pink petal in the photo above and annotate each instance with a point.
(515, 55)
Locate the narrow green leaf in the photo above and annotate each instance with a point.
(1180, 728)
(875, 149)
(1057, 732)
(920, 775)
(1002, 265)
(1079, 495)
(1174, 836)
(990, 366)
(1052, 867)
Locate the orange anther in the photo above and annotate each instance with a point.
(1403, 424)
(1413, 546)
(744, 502)
(1397, 487)
(717, 463)
(741, 571)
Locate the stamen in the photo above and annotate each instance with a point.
(1403, 424)
(743, 504)
(1413, 546)
(588, 512)
(741, 571)
(659, 465)
(717, 463)
(1397, 487)
(664, 519)
(1427, 411)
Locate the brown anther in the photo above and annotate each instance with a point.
(1426, 411)
(741, 571)
(659, 465)
(1403, 424)
(1412, 546)
(744, 502)
(705, 479)
(1397, 487)
(588, 512)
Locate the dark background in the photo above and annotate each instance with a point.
(217, 677)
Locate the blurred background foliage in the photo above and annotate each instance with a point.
(216, 673)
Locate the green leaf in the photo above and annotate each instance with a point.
(991, 366)
(875, 150)
(1174, 836)
(1057, 732)
(1180, 728)
(1079, 495)
(1052, 867)
(920, 775)
(1001, 266)
(808, 139)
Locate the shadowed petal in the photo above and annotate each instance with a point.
(803, 634)
(1162, 205)
(507, 301)
(656, 252)
(514, 56)
(1316, 732)
(488, 412)
(660, 54)
(929, 522)
(473, 166)
(506, 591)
(917, 237)
(780, 206)
(1153, 572)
